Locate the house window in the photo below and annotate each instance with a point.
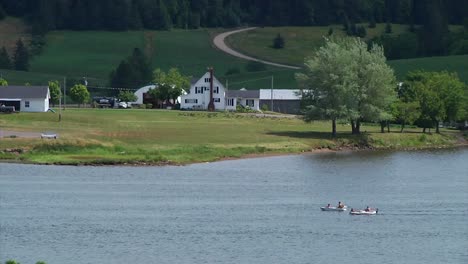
(249, 103)
(207, 80)
(191, 101)
(217, 100)
(230, 101)
(216, 90)
(26, 104)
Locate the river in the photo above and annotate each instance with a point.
(261, 210)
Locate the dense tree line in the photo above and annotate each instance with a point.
(163, 14)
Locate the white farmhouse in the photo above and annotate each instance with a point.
(25, 98)
(207, 89)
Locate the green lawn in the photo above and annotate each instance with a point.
(111, 136)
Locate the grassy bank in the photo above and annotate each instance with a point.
(104, 136)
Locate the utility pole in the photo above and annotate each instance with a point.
(271, 102)
(64, 91)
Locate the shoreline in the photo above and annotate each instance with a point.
(110, 163)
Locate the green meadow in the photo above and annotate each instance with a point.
(94, 54)
(300, 42)
(117, 136)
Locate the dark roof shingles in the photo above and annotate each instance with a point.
(23, 91)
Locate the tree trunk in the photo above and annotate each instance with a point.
(358, 127)
(402, 127)
(382, 127)
(437, 127)
(333, 127)
(424, 130)
(353, 127)
(388, 127)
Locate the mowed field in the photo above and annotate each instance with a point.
(94, 54)
(300, 42)
(113, 136)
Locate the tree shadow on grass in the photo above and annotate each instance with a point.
(311, 134)
(341, 139)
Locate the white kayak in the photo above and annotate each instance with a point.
(364, 212)
(334, 209)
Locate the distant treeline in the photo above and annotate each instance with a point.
(47, 15)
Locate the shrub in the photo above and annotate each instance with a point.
(278, 42)
(265, 107)
(149, 106)
(388, 28)
(142, 106)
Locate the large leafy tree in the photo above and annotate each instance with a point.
(127, 96)
(170, 85)
(79, 93)
(441, 96)
(345, 80)
(55, 93)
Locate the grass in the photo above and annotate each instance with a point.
(95, 54)
(300, 42)
(458, 64)
(107, 136)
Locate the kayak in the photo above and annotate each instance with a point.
(364, 212)
(333, 209)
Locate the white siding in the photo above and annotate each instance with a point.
(35, 105)
(139, 93)
(279, 94)
(200, 91)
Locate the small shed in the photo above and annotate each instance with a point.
(25, 98)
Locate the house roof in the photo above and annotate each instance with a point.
(280, 94)
(243, 93)
(19, 92)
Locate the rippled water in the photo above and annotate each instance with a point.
(263, 210)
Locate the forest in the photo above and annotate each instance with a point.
(117, 15)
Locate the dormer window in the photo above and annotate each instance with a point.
(207, 80)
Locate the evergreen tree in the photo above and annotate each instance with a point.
(278, 42)
(134, 21)
(161, 16)
(2, 12)
(21, 58)
(123, 76)
(388, 28)
(5, 61)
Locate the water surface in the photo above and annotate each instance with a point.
(263, 210)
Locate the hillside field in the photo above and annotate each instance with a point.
(109, 136)
(300, 42)
(94, 54)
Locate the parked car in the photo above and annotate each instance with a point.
(123, 105)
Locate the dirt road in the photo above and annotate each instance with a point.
(218, 41)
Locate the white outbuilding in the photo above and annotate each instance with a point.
(25, 98)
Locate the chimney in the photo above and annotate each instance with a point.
(211, 106)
